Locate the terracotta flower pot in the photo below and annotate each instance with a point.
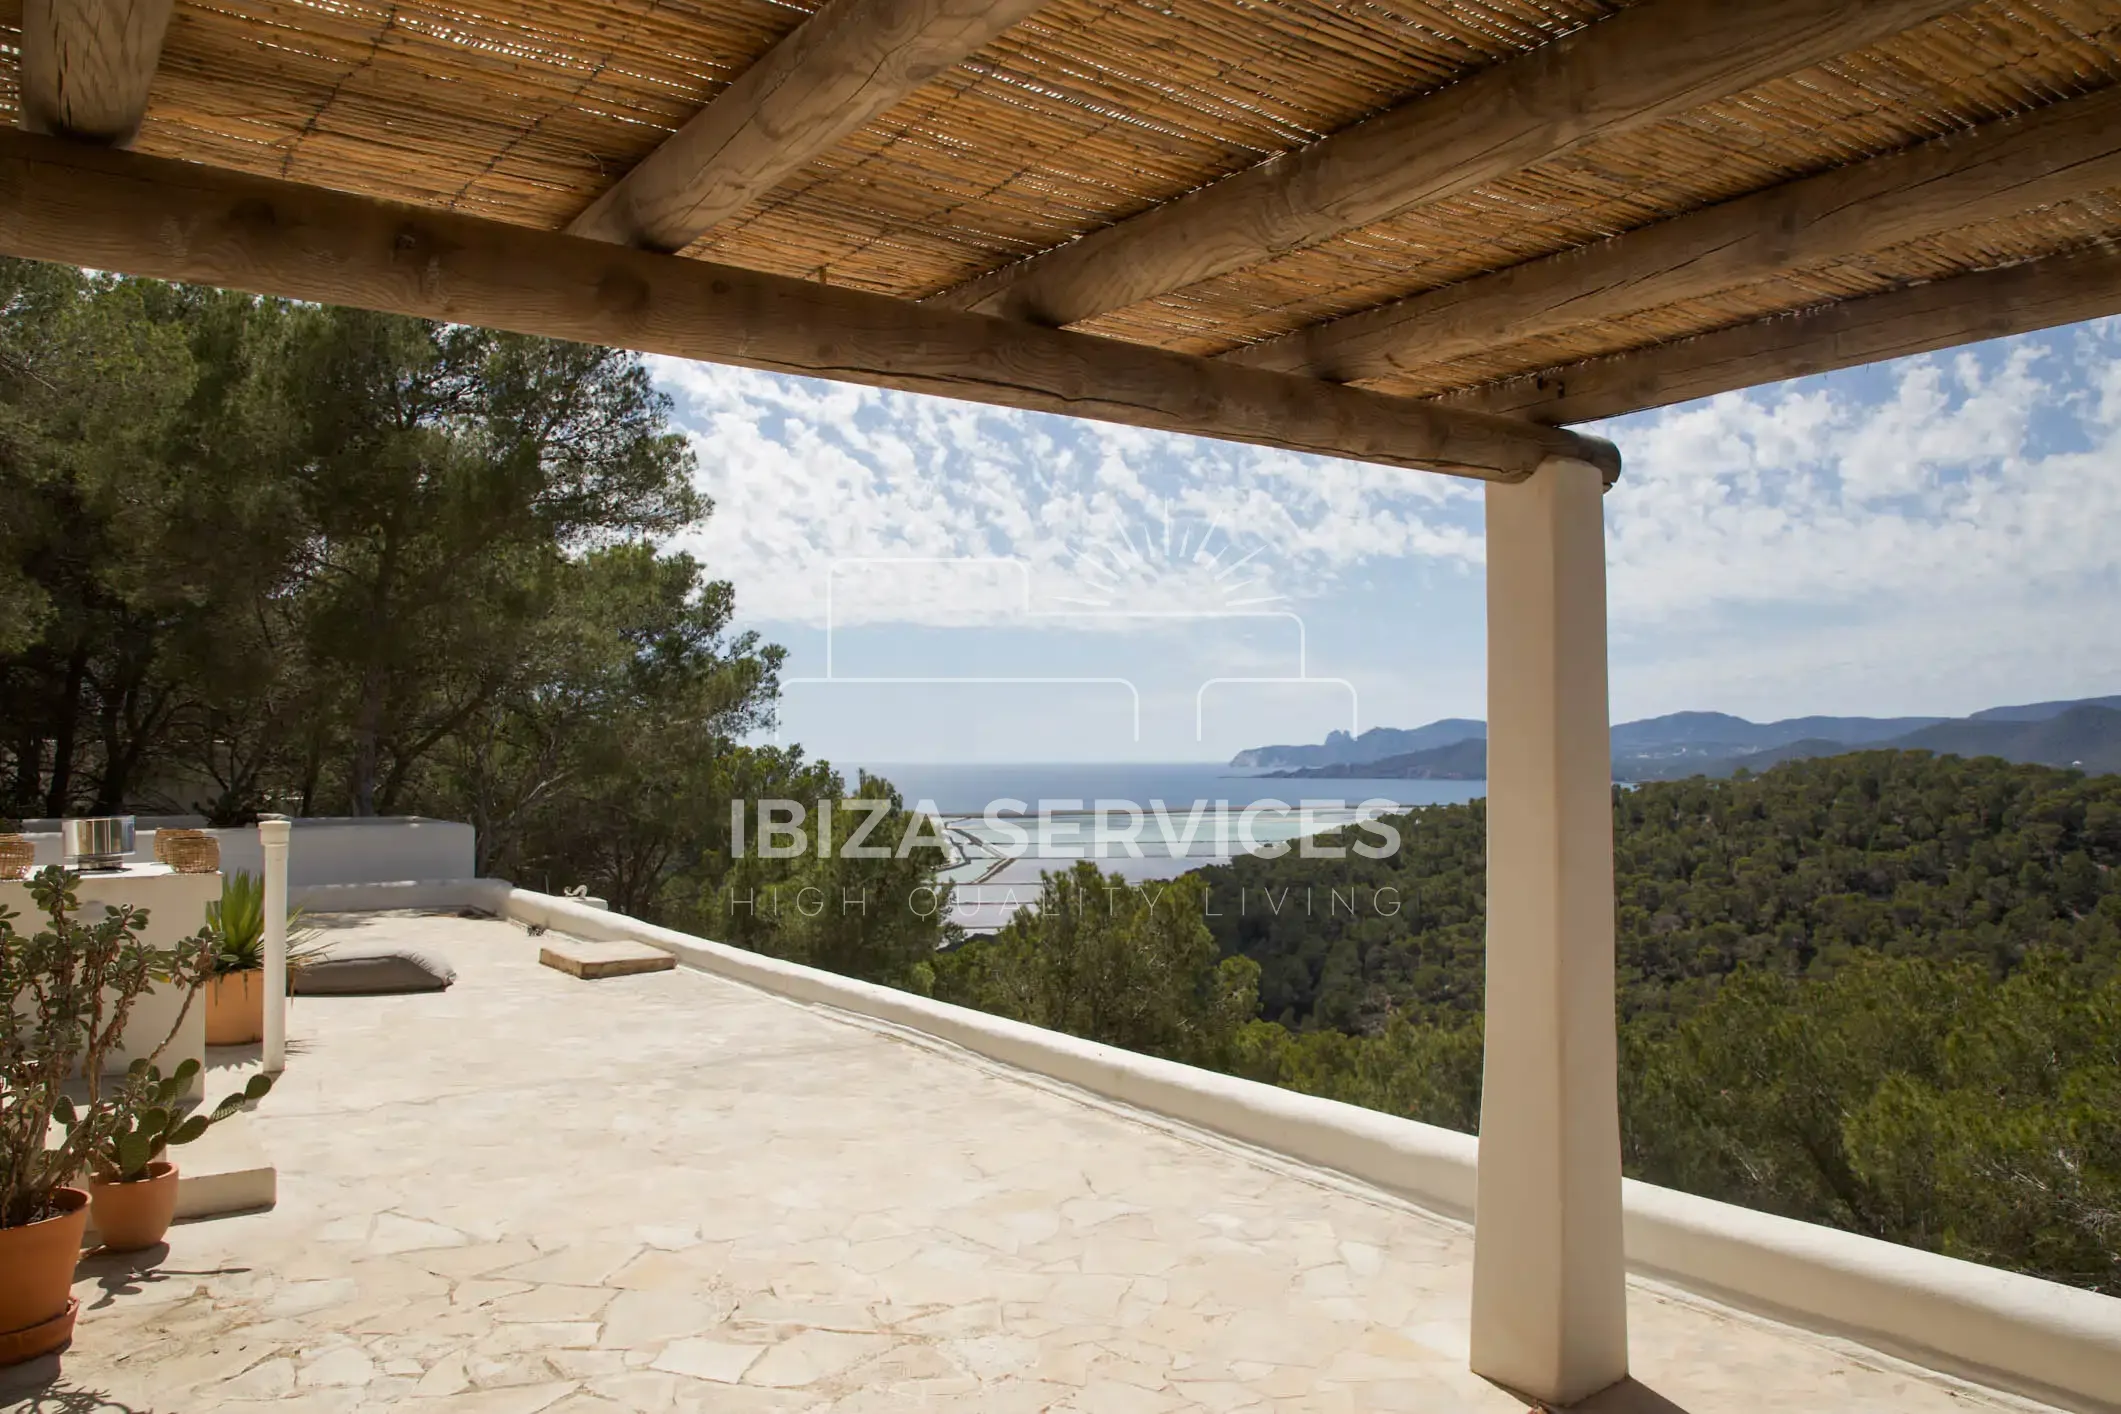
(235, 1008)
(36, 1300)
(130, 1216)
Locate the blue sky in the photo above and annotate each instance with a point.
(1932, 535)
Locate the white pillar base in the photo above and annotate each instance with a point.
(1549, 1277)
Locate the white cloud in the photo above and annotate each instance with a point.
(1810, 497)
(1928, 536)
(1940, 544)
(807, 473)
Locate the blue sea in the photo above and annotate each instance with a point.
(1142, 821)
(967, 790)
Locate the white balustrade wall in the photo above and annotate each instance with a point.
(324, 851)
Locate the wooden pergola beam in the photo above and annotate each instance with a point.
(86, 66)
(1999, 170)
(846, 64)
(1649, 61)
(180, 221)
(1960, 309)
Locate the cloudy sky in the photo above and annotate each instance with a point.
(1930, 536)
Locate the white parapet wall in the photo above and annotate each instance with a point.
(329, 851)
(2050, 1342)
(164, 1016)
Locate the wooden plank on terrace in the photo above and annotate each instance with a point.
(85, 66)
(591, 961)
(843, 66)
(1649, 61)
(181, 221)
(1991, 304)
(1996, 171)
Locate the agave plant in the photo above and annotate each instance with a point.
(145, 1119)
(239, 918)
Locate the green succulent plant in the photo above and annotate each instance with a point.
(238, 917)
(69, 988)
(146, 1119)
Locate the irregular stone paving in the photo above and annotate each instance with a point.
(671, 1192)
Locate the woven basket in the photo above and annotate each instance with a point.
(17, 857)
(188, 851)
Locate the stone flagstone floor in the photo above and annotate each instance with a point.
(672, 1192)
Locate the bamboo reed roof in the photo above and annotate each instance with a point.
(1094, 111)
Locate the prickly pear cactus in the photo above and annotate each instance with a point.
(144, 1119)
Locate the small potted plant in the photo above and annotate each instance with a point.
(235, 998)
(69, 991)
(132, 1191)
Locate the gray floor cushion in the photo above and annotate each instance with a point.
(372, 970)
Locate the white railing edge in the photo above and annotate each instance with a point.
(2032, 1337)
(487, 895)
(2042, 1339)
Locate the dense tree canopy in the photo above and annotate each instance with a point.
(1792, 870)
(265, 554)
(270, 556)
(1129, 965)
(872, 911)
(1932, 1103)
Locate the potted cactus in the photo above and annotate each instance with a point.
(132, 1191)
(70, 987)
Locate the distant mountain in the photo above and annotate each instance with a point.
(2040, 711)
(1695, 736)
(1673, 768)
(2085, 734)
(2086, 737)
(1679, 731)
(1464, 760)
(1375, 744)
(1720, 734)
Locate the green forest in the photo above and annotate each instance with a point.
(268, 556)
(1880, 991)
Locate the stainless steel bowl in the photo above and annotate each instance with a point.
(97, 841)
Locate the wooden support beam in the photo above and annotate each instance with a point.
(1651, 60)
(1999, 170)
(86, 65)
(846, 64)
(181, 221)
(1961, 309)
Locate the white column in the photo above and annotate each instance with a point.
(272, 837)
(1549, 1312)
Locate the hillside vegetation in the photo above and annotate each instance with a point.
(1900, 852)
(261, 556)
(1880, 991)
